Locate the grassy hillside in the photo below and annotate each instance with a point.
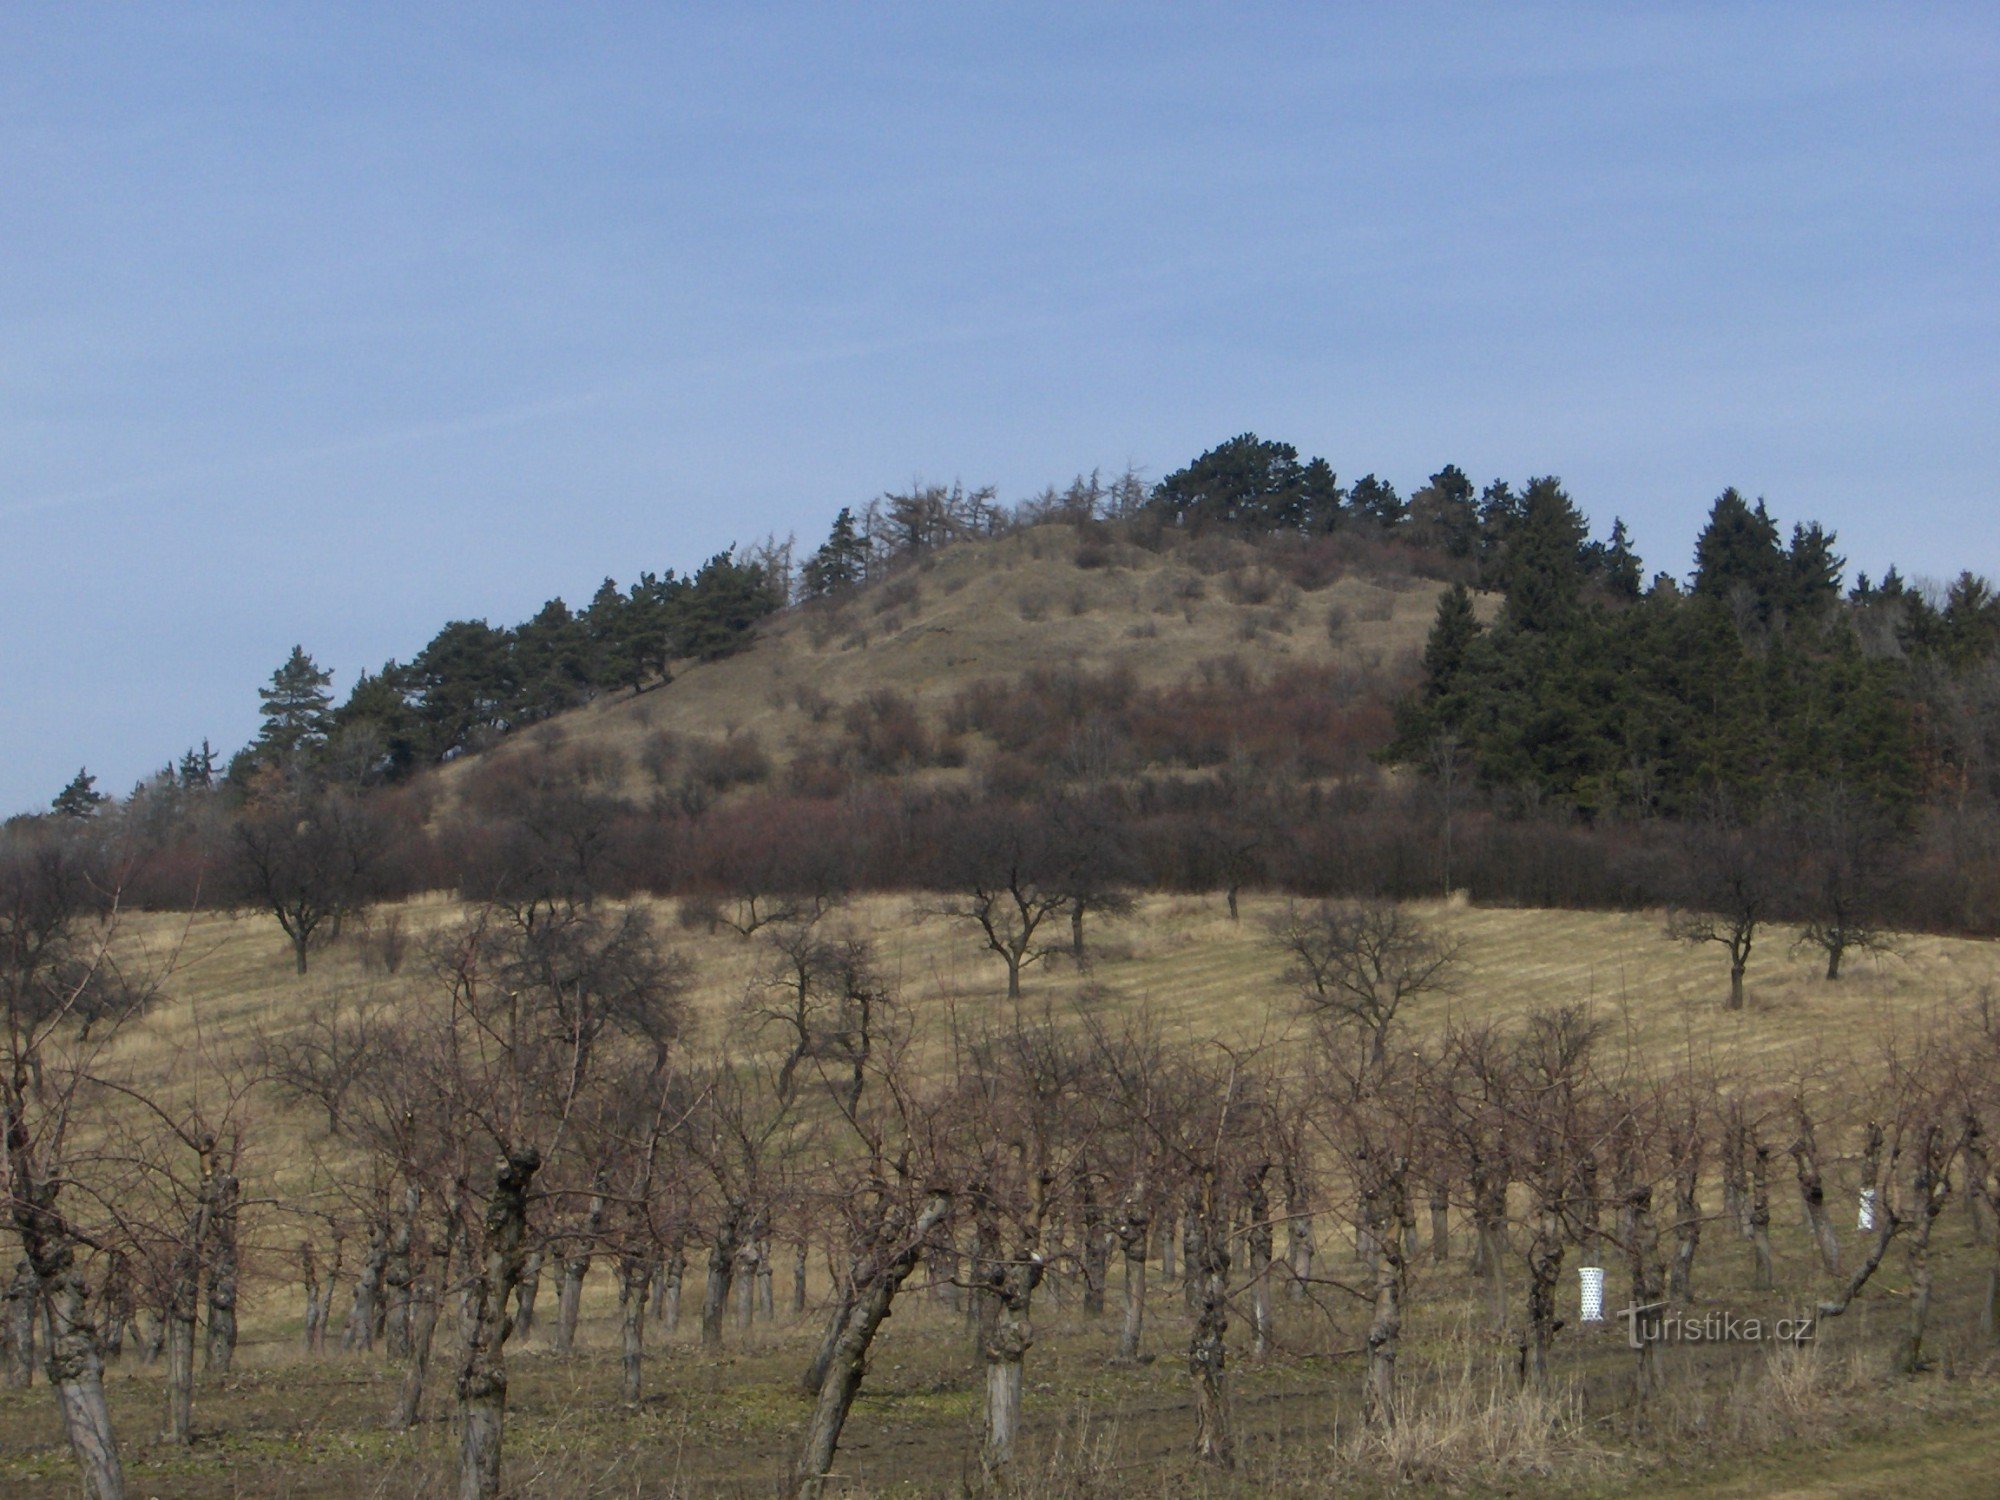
(1044, 597)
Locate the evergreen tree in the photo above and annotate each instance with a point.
(1543, 570)
(1452, 634)
(841, 562)
(719, 611)
(1738, 554)
(1376, 500)
(1443, 514)
(1320, 498)
(1619, 565)
(1499, 514)
(80, 799)
(296, 708)
(1243, 482)
(197, 768)
(1815, 569)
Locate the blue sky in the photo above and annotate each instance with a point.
(329, 323)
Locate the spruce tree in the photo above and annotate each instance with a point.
(197, 768)
(296, 708)
(1376, 500)
(80, 799)
(1623, 572)
(840, 563)
(1452, 634)
(1544, 565)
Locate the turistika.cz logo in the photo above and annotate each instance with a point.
(1658, 1323)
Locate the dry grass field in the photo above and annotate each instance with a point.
(1830, 1423)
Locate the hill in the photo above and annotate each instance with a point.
(1053, 598)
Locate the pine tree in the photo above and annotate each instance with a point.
(840, 563)
(296, 707)
(1544, 565)
(1444, 515)
(1320, 498)
(1738, 553)
(1622, 570)
(1376, 500)
(80, 799)
(197, 768)
(1815, 569)
(1452, 634)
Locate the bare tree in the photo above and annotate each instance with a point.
(1001, 878)
(62, 1000)
(1728, 881)
(1358, 963)
(306, 854)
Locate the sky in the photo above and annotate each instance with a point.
(328, 324)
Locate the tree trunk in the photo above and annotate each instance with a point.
(1208, 1351)
(361, 1316)
(482, 1375)
(1384, 1334)
(1299, 1245)
(634, 1274)
(309, 1274)
(1259, 1241)
(799, 1280)
(1489, 1212)
(23, 1299)
(1736, 968)
(77, 1374)
(1095, 1259)
(1642, 1249)
(575, 1268)
(1005, 1352)
(397, 1276)
(1545, 1261)
(1134, 1225)
(878, 1281)
(721, 1273)
(427, 1300)
(1929, 1191)
(184, 1304)
(569, 1302)
(1812, 1197)
(829, 1344)
(1760, 1215)
(746, 1288)
(526, 1294)
(1687, 1236)
(220, 1351)
(1440, 1205)
(670, 1309)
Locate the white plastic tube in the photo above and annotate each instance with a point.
(1591, 1291)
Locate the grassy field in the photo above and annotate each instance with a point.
(1183, 958)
